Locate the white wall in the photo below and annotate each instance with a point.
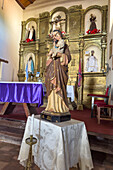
(10, 33)
(110, 36)
(40, 6)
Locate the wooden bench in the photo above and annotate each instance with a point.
(99, 107)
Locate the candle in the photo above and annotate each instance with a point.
(32, 124)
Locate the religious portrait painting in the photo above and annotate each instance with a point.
(111, 49)
(112, 62)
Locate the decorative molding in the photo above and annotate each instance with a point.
(92, 35)
(63, 9)
(89, 44)
(74, 8)
(29, 20)
(92, 74)
(44, 15)
(93, 7)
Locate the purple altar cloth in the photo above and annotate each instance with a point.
(21, 92)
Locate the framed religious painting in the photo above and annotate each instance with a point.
(111, 49)
(112, 62)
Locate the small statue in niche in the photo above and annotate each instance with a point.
(30, 34)
(93, 24)
(29, 68)
(93, 28)
(92, 65)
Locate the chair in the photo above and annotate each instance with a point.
(104, 101)
(104, 117)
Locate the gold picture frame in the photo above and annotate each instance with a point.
(112, 62)
(111, 49)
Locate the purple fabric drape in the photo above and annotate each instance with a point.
(21, 93)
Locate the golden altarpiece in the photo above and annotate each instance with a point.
(75, 22)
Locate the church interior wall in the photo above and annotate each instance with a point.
(41, 12)
(11, 17)
(109, 79)
(10, 33)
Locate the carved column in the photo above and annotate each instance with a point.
(82, 22)
(23, 31)
(104, 18)
(37, 29)
(103, 46)
(80, 89)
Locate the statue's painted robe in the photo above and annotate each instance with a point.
(56, 80)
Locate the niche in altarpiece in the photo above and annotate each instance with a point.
(93, 21)
(92, 59)
(30, 32)
(27, 57)
(58, 21)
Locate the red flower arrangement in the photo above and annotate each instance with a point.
(63, 34)
(51, 35)
(28, 40)
(94, 31)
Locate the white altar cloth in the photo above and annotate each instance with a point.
(59, 145)
(70, 92)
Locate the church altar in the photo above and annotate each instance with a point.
(21, 92)
(59, 145)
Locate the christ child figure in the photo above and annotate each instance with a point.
(58, 45)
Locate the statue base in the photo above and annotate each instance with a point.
(55, 117)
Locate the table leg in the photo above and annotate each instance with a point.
(92, 107)
(98, 114)
(27, 112)
(7, 108)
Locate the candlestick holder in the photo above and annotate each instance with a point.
(30, 141)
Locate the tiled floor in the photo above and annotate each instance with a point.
(12, 131)
(9, 154)
(8, 157)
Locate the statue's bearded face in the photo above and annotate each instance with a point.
(54, 35)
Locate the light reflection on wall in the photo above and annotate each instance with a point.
(3, 35)
(3, 43)
(10, 35)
